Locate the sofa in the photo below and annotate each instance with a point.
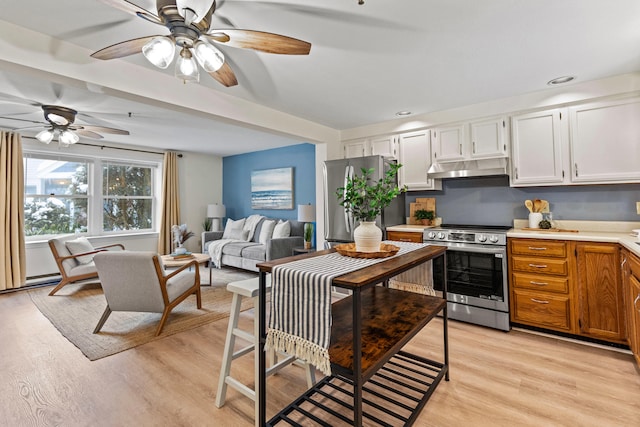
(246, 254)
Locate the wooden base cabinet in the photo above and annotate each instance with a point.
(599, 285)
(404, 236)
(631, 286)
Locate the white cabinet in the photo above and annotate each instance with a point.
(488, 138)
(482, 139)
(537, 152)
(448, 143)
(385, 146)
(415, 158)
(605, 141)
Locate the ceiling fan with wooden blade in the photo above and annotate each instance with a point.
(60, 122)
(189, 23)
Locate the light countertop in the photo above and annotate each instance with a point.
(409, 228)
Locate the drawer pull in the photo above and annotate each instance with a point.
(539, 301)
(538, 283)
(635, 302)
(533, 248)
(538, 265)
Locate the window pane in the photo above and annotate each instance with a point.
(54, 215)
(127, 214)
(121, 180)
(55, 177)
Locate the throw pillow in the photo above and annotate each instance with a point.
(282, 229)
(239, 234)
(80, 246)
(267, 231)
(232, 225)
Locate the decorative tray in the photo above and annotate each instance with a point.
(349, 249)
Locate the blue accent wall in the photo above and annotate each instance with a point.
(236, 179)
(490, 201)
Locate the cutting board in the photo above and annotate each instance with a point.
(426, 203)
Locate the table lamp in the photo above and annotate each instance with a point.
(307, 214)
(216, 212)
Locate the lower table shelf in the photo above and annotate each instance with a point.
(393, 396)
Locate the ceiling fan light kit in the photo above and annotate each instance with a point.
(209, 58)
(160, 51)
(186, 67)
(45, 136)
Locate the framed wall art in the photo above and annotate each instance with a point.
(272, 188)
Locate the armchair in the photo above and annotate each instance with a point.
(77, 266)
(136, 281)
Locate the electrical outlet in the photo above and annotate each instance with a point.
(638, 208)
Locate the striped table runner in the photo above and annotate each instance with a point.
(300, 321)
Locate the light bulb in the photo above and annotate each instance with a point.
(209, 58)
(45, 136)
(159, 51)
(187, 67)
(68, 137)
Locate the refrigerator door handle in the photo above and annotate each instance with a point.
(346, 212)
(352, 222)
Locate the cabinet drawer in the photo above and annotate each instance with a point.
(541, 283)
(404, 236)
(539, 248)
(542, 309)
(540, 265)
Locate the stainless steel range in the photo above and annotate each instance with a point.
(476, 272)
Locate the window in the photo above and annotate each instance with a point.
(87, 195)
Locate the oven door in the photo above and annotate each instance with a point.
(476, 275)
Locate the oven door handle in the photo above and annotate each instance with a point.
(458, 247)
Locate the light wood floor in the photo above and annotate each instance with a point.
(497, 379)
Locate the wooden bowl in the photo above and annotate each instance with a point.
(349, 249)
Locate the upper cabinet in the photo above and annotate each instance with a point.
(593, 143)
(386, 146)
(415, 158)
(605, 141)
(482, 139)
(536, 155)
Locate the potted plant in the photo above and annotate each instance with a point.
(308, 234)
(206, 224)
(424, 216)
(365, 199)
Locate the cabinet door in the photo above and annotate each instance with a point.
(634, 317)
(600, 301)
(415, 158)
(383, 146)
(355, 149)
(448, 143)
(605, 141)
(487, 138)
(537, 148)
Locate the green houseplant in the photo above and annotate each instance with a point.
(365, 199)
(424, 216)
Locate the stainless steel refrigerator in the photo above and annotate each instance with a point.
(339, 226)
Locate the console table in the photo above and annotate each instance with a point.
(369, 330)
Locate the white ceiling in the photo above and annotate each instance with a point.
(367, 62)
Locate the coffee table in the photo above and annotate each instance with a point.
(170, 262)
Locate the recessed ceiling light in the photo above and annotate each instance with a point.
(561, 80)
(403, 113)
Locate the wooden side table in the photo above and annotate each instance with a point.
(169, 261)
(298, 251)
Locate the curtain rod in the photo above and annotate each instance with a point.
(102, 147)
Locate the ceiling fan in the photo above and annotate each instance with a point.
(61, 123)
(189, 24)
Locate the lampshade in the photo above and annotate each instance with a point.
(187, 67)
(159, 51)
(216, 211)
(45, 136)
(68, 137)
(209, 58)
(306, 213)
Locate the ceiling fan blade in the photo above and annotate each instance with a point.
(8, 117)
(225, 75)
(122, 49)
(42, 126)
(261, 41)
(103, 129)
(129, 7)
(88, 134)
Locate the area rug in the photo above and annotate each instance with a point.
(76, 309)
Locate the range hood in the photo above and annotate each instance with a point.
(469, 168)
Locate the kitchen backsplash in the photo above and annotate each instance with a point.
(491, 201)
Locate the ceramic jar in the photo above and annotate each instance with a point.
(368, 237)
(534, 219)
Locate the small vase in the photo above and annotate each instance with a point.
(181, 250)
(307, 245)
(534, 219)
(368, 237)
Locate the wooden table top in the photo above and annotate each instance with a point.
(169, 261)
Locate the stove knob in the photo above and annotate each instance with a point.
(482, 238)
(431, 235)
(493, 239)
(441, 235)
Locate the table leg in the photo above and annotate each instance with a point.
(261, 382)
(357, 357)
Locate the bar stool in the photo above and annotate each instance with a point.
(249, 289)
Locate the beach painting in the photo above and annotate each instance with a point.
(272, 188)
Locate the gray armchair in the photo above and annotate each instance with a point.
(136, 281)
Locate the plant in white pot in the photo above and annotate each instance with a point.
(365, 199)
